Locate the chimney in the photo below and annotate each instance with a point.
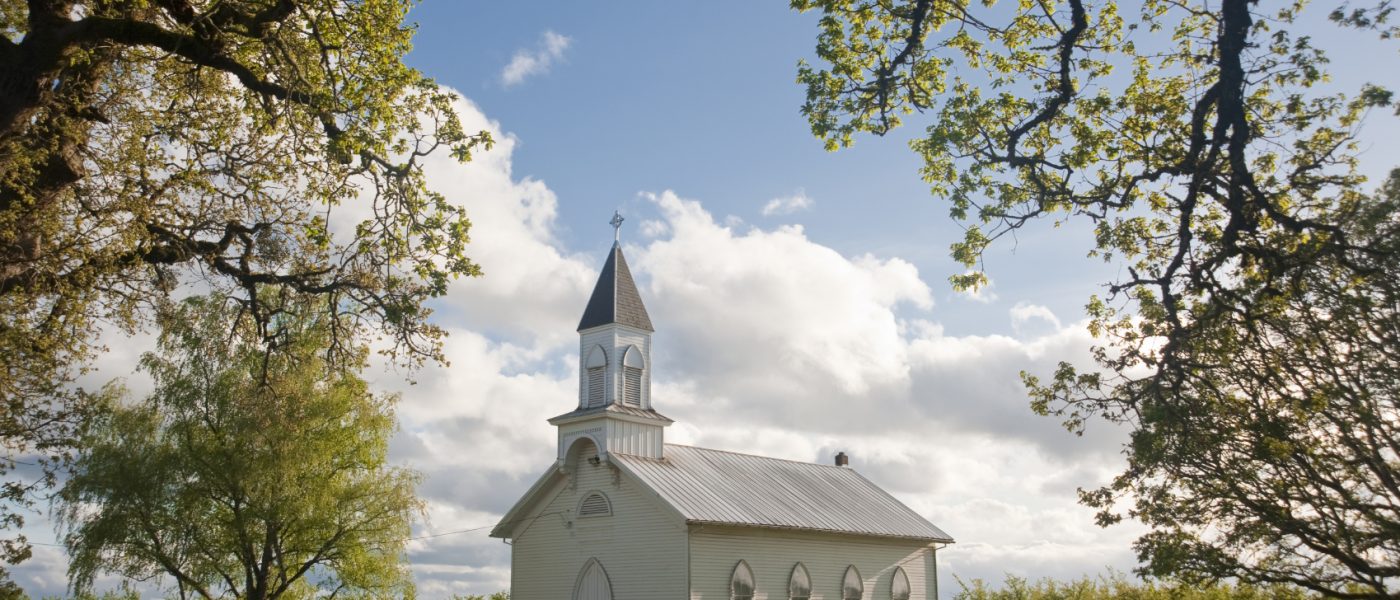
(842, 460)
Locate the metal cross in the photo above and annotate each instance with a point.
(616, 222)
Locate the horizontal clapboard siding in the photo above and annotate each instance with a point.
(642, 545)
(771, 554)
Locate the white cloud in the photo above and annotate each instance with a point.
(530, 62)
(786, 205)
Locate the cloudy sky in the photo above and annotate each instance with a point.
(800, 297)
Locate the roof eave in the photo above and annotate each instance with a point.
(917, 538)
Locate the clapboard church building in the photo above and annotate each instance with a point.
(622, 515)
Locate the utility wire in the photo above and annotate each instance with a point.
(411, 539)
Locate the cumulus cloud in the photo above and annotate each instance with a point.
(786, 205)
(767, 342)
(535, 61)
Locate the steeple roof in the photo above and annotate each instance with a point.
(615, 298)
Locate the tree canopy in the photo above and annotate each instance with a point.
(1251, 346)
(247, 473)
(227, 144)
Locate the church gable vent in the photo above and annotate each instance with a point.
(595, 505)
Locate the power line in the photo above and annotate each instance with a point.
(411, 539)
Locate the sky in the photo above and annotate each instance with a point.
(800, 297)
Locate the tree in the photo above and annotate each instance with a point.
(248, 472)
(1196, 139)
(1115, 585)
(234, 143)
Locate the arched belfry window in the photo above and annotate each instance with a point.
(899, 585)
(852, 587)
(741, 582)
(799, 584)
(632, 365)
(597, 370)
(595, 504)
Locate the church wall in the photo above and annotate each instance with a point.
(642, 545)
(771, 554)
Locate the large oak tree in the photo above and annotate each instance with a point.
(1251, 346)
(228, 144)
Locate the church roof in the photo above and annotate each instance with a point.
(615, 298)
(645, 413)
(714, 486)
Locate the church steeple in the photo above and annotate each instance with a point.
(614, 402)
(615, 298)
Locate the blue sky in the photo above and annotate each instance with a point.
(818, 325)
(701, 98)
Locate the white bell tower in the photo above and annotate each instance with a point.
(614, 393)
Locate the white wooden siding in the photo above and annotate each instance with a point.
(642, 546)
(771, 554)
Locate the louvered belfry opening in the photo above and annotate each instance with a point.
(597, 378)
(632, 386)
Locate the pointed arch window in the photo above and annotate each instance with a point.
(799, 584)
(592, 583)
(632, 365)
(899, 585)
(852, 586)
(741, 582)
(597, 372)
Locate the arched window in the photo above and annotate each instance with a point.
(852, 587)
(800, 584)
(632, 365)
(899, 585)
(741, 582)
(597, 370)
(596, 505)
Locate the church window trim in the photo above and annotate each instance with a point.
(596, 370)
(632, 366)
(741, 582)
(799, 583)
(899, 585)
(852, 586)
(594, 504)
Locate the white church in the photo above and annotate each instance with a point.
(622, 515)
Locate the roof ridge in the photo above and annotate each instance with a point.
(800, 462)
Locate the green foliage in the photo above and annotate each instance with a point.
(224, 143)
(1118, 587)
(1251, 346)
(249, 472)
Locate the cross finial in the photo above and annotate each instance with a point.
(616, 222)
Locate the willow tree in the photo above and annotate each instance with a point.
(1251, 347)
(248, 472)
(146, 144)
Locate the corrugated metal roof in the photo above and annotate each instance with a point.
(713, 486)
(615, 298)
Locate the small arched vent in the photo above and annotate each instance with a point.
(595, 505)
